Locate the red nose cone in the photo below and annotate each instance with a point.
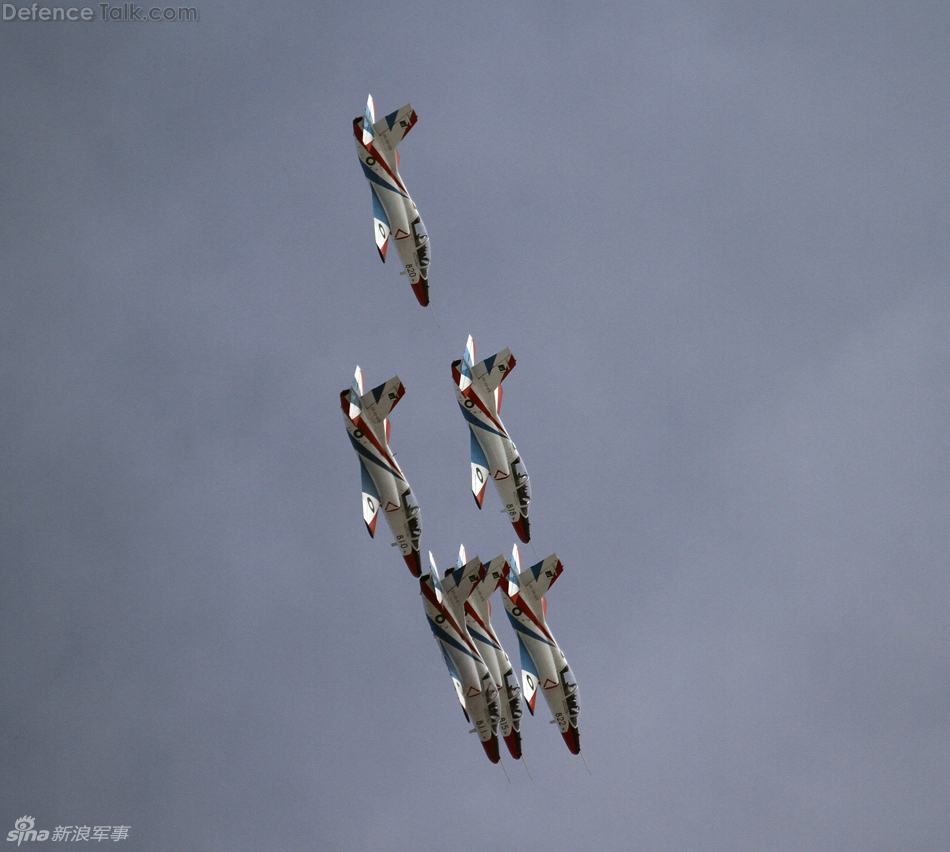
(491, 748)
(573, 739)
(421, 289)
(523, 529)
(513, 741)
(414, 563)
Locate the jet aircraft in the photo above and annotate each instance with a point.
(478, 621)
(394, 213)
(542, 661)
(384, 485)
(494, 454)
(444, 602)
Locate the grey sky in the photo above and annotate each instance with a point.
(714, 237)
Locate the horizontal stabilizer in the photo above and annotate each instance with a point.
(495, 573)
(493, 370)
(382, 399)
(391, 129)
(460, 582)
(539, 578)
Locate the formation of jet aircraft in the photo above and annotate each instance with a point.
(394, 213)
(458, 604)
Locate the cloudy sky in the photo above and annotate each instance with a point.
(714, 235)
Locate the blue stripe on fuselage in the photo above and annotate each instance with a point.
(368, 455)
(442, 636)
(372, 177)
(472, 419)
(520, 628)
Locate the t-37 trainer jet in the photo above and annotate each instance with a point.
(384, 485)
(478, 621)
(444, 602)
(543, 664)
(394, 213)
(494, 454)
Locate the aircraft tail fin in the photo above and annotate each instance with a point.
(469, 356)
(363, 125)
(350, 399)
(395, 126)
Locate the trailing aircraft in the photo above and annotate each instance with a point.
(478, 621)
(444, 602)
(383, 483)
(543, 664)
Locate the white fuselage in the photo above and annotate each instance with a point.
(474, 682)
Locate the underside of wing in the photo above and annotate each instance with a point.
(529, 677)
(380, 225)
(370, 500)
(396, 125)
(479, 471)
(543, 575)
(493, 370)
(382, 399)
(456, 680)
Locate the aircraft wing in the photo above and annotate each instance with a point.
(479, 471)
(456, 680)
(391, 129)
(370, 499)
(529, 677)
(381, 227)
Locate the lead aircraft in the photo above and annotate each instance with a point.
(394, 213)
(543, 664)
(444, 602)
(478, 621)
(494, 454)
(383, 482)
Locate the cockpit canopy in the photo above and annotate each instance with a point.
(411, 507)
(570, 692)
(521, 481)
(421, 237)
